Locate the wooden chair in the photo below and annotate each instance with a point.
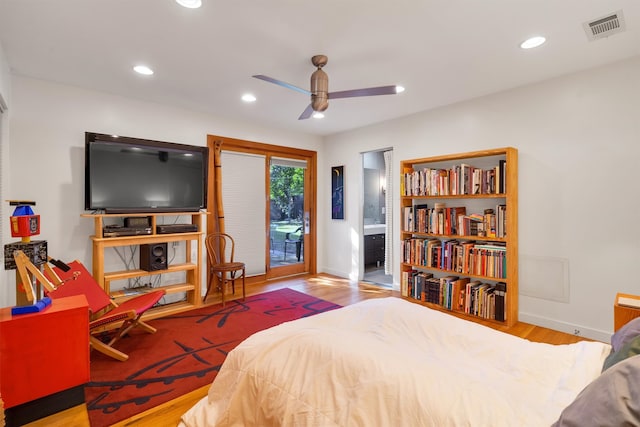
(221, 251)
(76, 280)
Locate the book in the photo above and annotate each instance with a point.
(500, 302)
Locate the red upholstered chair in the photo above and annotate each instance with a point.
(104, 311)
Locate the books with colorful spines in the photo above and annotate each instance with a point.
(433, 289)
(489, 223)
(458, 258)
(405, 279)
(459, 293)
(456, 213)
(465, 178)
(468, 302)
(446, 263)
(476, 181)
(501, 297)
(408, 218)
(446, 284)
(490, 258)
(430, 256)
(477, 294)
(503, 176)
(424, 285)
(420, 218)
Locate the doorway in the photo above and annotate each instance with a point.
(377, 213)
(286, 211)
(269, 198)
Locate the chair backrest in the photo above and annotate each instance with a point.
(220, 248)
(298, 230)
(82, 284)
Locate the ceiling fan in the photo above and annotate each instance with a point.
(319, 92)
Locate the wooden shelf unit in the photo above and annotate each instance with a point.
(191, 267)
(485, 159)
(622, 314)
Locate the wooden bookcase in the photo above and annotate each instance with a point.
(434, 242)
(191, 267)
(624, 313)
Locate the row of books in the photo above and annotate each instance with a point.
(461, 294)
(455, 221)
(458, 180)
(465, 257)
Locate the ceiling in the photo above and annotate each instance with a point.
(441, 51)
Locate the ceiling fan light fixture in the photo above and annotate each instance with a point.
(399, 89)
(143, 69)
(319, 103)
(532, 42)
(191, 4)
(318, 115)
(248, 97)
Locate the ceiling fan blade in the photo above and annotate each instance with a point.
(281, 83)
(306, 113)
(371, 91)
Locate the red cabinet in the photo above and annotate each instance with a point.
(42, 354)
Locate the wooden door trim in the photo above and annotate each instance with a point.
(252, 147)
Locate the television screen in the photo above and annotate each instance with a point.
(125, 174)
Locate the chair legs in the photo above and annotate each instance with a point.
(221, 282)
(108, 350)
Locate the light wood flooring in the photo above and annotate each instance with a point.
(337, 290)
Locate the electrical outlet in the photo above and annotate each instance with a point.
(175, 244)
(576, 332)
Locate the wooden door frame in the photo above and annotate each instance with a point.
(269, 150)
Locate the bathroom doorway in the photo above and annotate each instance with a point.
(377, 212)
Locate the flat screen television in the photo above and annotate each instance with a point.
(132, 175)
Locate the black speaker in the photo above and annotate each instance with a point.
(153, 257)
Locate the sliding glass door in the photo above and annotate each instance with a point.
(287, 212)
(268, 195)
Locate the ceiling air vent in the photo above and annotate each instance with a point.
(605, 26)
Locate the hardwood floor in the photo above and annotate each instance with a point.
(336, 290)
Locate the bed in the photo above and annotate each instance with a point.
(389, 362)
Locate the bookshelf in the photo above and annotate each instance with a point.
(191, 267)
(625, 308)
(459, 234)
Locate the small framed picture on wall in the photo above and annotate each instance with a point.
(337, 192)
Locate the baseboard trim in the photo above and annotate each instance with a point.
(567, 328)
(43, 407)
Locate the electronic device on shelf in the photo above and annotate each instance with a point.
(120, 231)
(176, 228)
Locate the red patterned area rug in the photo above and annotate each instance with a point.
(186, 353)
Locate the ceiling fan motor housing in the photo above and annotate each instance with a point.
(319, 90)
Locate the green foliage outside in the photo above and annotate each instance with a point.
(286, 182)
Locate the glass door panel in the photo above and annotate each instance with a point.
(287, 179)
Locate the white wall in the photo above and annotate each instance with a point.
(47, 124)
(579, 152)
(577, 138)
(6, 292)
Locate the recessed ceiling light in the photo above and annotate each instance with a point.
(318, 115)
(247, 97)
(191, 4)
(399, 89)
(143, 69)
(533, 42)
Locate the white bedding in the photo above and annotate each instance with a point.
(389, 362)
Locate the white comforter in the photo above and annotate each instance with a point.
(389, 362)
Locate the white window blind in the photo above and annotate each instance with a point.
(243, 201)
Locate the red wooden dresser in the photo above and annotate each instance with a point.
(44, 359)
